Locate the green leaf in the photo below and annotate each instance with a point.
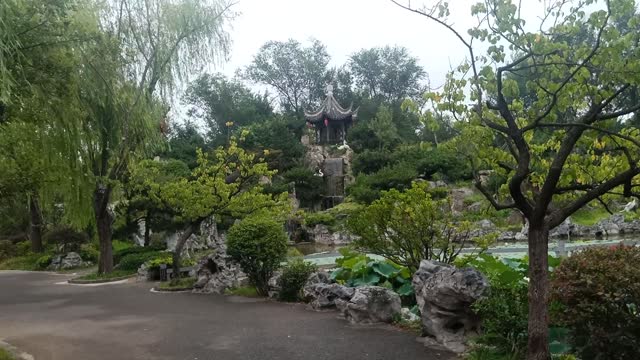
(384, 269)
(405, 290)
(368, 279)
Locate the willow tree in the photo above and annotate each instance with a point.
(38, 107)
(564, 139)
(132, 69)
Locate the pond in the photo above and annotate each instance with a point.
(322, 255)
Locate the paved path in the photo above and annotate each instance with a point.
(126, 321)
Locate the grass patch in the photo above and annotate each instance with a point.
(6, 355)
(589, 217)
(178, 284)
(412, 326)
(246, 291)
(487, 353)
(294, 253)
(112, 275)
(119, 245)
(27, 263)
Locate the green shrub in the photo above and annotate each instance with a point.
(505, 310)
(367, 188)
(89, 252)
(7, 249)
(66, 238)
(131, 262)
(370, 161)
(294, 276)
(23, 248)
(410, 227)
(44, 261)
(599, 289)
(122, 252)
(315, 218)
(6, 355)
(259, 246)
(162, 258)
(309, 187)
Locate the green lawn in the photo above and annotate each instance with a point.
(589, 217)
(177, 284)
(5, 355)
(112, 275)
(27, 262)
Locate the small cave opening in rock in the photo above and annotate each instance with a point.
(212, 266)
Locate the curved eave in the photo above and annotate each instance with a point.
(331, 110)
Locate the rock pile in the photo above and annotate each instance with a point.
(444, 295)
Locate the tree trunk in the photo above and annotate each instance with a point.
(147, 228)
(35, 224)
(538, 345)
(179, 246)
(104, 221)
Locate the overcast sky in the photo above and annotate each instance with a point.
(345, 26)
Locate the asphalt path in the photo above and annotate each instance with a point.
(42, 315)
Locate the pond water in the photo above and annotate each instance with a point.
(324, 255)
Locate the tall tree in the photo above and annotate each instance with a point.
(218, 100)
(224, 184)
(144, 50)
(297, 73)
(388, 73)
(40, 107)
(579, 106)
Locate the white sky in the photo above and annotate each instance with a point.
(345, 26)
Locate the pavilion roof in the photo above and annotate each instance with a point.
(330, 109)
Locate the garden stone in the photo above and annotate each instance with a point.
(318, 277)
(563, 230)
(274, 287)
(612, 225)
(475, 207)
(68, 261)
(631, 206)
(323, 296)
(371, 305)
(321, 234)
(143, 273)
(445, 294)
(407, 315)
(216, 272)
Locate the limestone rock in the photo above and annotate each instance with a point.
(457, 198)
(445, 294)
(318, 277)
(407, 315)
(563, 230)
(475, 207)
(322, 235)
(612, 225)
(274, 287)
(68, 261)
(370, 305)
(206, 238)
(143, 273)
(216, 272)
(631, 206)
(323, 296)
